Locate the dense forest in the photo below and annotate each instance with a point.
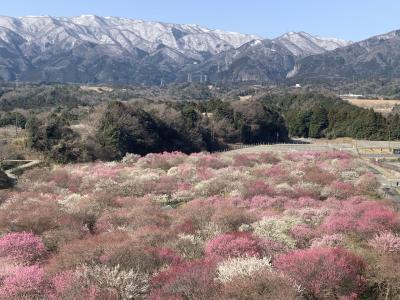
(143, 127)
(317, 115)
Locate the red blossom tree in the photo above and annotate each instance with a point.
(237, 244)
(192, 280)
(324, 272)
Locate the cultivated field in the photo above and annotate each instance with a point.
(235, 225)
(381, 106)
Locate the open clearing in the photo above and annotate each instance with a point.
(381, 106)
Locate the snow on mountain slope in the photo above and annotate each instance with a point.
(304, 44)
(124, 33)
(97, 49)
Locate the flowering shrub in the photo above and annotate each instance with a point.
(264, 284)
(194, 280)
(231, 218)
(367, 184)
(277, 229)
(204, 161)
(317, 175)
(386, 242)
(302, 233)
(243, 160)
(163, 161)
(241, 267)
(168, 256)
(200, 226)
(268, 158)
(123, 284)
(334, 240)
(66, 285)
(237, 244)
(257, 188)
(130, 159)
(324, 272)
(364, 217)
(23, 282)
(22, 247)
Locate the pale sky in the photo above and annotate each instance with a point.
(349, 19)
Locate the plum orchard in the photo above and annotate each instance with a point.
(202, 226)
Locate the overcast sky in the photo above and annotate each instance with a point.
(348, 19)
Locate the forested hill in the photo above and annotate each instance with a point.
(317, 115)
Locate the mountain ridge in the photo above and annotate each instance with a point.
(93, 49)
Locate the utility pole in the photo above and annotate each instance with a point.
(16, 124)
(17, 81)
(389, 135)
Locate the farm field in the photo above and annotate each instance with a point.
(265, 225)
(381, 106)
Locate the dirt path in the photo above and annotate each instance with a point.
(28, 164)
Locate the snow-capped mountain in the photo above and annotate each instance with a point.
(117, 50)
(123, 33)
(265, 60)
(376, 57)
(304, 44)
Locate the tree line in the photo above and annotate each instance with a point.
(190, 126)
(143, 127)
(317, 115)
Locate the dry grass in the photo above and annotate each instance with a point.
(97, 89)
(381, 106)
(245, 98)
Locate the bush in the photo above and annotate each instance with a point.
(26, 282)
(363, 217)
(25, 248)
(231, 218)
(241, 267)
(277, 229)
(130, 284)
(35, 213)
(386, 242)
(192, 280)
(383, 276)
(324, 272)
(237, 244)
(261, 285)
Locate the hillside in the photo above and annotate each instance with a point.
(376, 57)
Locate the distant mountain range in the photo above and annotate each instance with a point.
(92, 49)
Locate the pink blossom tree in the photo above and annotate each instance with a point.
(324, 272)
(24, 282)
(24, 247)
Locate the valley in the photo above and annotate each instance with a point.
(147, 160)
